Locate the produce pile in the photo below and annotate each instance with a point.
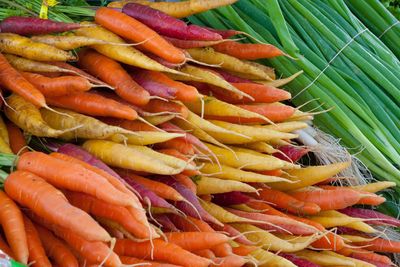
(162, 143)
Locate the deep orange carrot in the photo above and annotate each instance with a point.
(58, 86)
(131, 260)
(243, 250)
(113, 74)
(179, 155)
(276, 112)
(133, 30)
(18, 143)
(288, 202)
(381, 245)
(196, 240)
(180, 144)
(13, 225)
(46, 201)
(156, 106)
(12, 80)
(5, 248)
(205, 253)
(36, 250)
(94, 105)
(372, 199)
(262, 93)
(186, 181)
(163, 251)
(56, 249)
(248, 51)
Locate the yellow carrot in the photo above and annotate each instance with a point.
(269, 259)
(261, 147)
(210, 185)
(143, 138)
(374, 187)
(4, 138)
(286, 127)
(323, 259)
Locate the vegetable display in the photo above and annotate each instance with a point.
(137, 139)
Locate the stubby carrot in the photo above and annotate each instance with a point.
(134, 30)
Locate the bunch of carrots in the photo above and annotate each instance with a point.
(168, 147)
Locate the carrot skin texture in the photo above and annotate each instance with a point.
(56, 249)
(163, 251)
(166, 224)
(35, 26)
(36, 250)
(132, 260)
(131, 29)
(168, 25)
(368, 214)
(94, 105)
(381, 245)
(13, 225)
(196, 240)
(17, 143)
(248, 51)
(12, 80)
(154, 88)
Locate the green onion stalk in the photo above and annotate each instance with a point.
(345, 66)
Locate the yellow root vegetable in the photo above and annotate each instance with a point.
(374, 187)
(143, 138)
(286, 127)
(159, 119)
(4, 138)
(281, 82)
(24, 64)
(323, 259)
(223, 215)
(357, 263)
(18, 45)
(261, 147)
(269, 259)
(209, 185)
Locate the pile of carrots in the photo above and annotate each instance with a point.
(168, 147)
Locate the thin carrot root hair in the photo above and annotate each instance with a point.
(159, 98)
(112, 245)
(251, 260)
(149, 124)
(250, 37)
(189, 59)
(160, 232)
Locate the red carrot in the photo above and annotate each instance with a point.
(292, 153)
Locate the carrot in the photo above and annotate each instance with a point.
(156, 105)
(24, 187)
(34, 26)
(159, 119)
(5, 248)
(180, 144)
(18, 143)
(75, 177)
(277, 172)
(167, 25)
(162, 251)
(185, 44)
(15, 82)
(205, 253)
(128, 124)
(343, 197)
(374, 187)
(243, 250)
(210, 185)
(178, 9)
(102, 209)
(22, 46)
(58, 86)
(179, 155)
(248, 51)
(323, 259)
(134, 30)
(382, 219)
(286, 127)
(95, 105)
(371, 199)
(154, 88)
(192, 241)
(37, 254)
(186, 181)
(4, 138)
(56, 249)
(266, 258)
(131, 260)
(365, 255)
(276, 112)
(12, 222)
(288, 202)
(230, 261)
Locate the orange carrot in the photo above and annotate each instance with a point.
(129, 125)
(156, 105)
(102, 209)
(13, 225)
(72, 176)
(329, 199)
(276, 112)
(243, 250)
(12, 80)
(248, 51)
(186, 181)
(229, 261)
(36, 250)
(381, 245)
(196, 240)
(46, 201)
(205, 253)
(365, 255)
(262, 93)
(372, 199)
(56, 249)
(277, 172)
(163, 251)
(5, 248)
(132, 260)
(17, 142)
(180, 144)
(112, 73)
(58, 86)
(222, 250)
(93, 104)
(133, 30)
(179, 155)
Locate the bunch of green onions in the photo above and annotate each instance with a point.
(345, 66)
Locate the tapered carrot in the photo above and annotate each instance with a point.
(12, 80)
(59, 86)
(262, 93)
(17, 142)
(72, 176)
(179, 155)
(381, 245)
(162, 251)
(37, 255)
(128, 124)
(196, 240)
(205, 253)
(156, 105)
(186, 181)
(276, 112)
(277, 172)
(12, 222)
(56, 249)
(243, 250)
(5, 248)
(248, 51)
(371, 199)
(131, 260)
(112, 73)
(93, 104)
(179, 144)
(365, 255)
(185, 44)
(135, 31)
(288, 202)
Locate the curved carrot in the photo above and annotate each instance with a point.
(56, 249)
(248, 51)
(133, 30)
(12, 80)
(162, 251)
(93, 104)
(58, 86)
(113, 74)
(13, 225)
(156, 106)
(17, 142)
(36, 250)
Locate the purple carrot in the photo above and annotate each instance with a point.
(79, 153)
(167, 25)
(147, 195)
(233, 233)
(232, 78)
(154, 88)
(298, 261)
(230, 198)
(166, 223)
(343, 230)
(35, 26)
(186, 44)
(193, 208)
(291, 153)
(382, 219)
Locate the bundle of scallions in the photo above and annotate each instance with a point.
(345, 66)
